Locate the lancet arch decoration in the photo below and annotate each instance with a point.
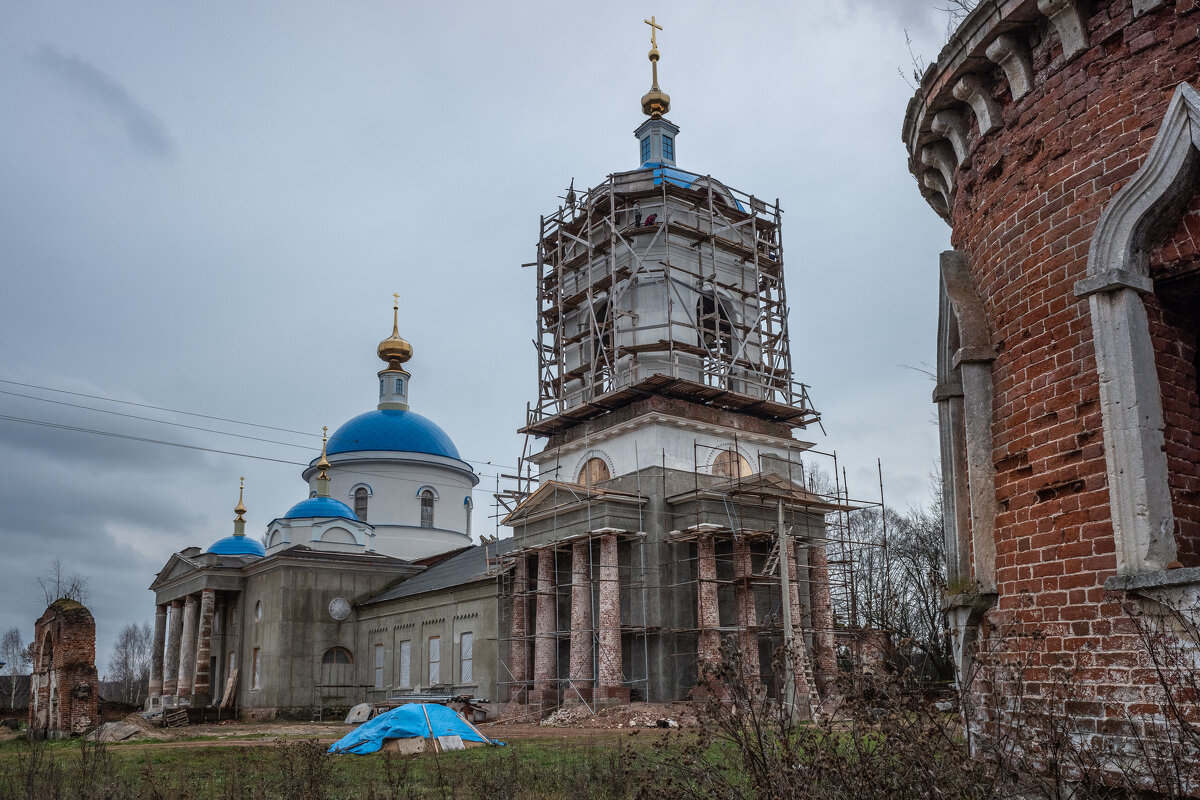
(1118, 274)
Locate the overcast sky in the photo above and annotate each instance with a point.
(207, 206)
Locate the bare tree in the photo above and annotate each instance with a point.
(129, 664)
(16, 657)
(56, 584)
(899, 585)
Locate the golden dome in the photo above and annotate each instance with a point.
(240, 509)
(655, 103)
(395, 350)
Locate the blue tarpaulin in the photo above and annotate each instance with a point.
(426, 720)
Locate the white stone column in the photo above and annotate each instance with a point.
(156, 655)
(174, 640)
(187, 649)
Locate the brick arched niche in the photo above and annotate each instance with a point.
(1141, 215)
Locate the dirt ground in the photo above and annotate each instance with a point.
(573, 723)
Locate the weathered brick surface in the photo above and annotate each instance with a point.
(1024, 208)
(64, 690)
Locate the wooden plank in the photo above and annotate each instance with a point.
(227, 696)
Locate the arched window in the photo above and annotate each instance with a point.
(337, 655)
(360, 503)
(426, 508)
(731, 464)
(468, 504)
(593, 472)
(600, 346)
(716, 331)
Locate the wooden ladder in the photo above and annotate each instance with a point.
(772, 563)
(810, 678)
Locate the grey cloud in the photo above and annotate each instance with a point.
(146, 134)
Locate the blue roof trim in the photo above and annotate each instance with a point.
(237, 546)
(392, 429)
(680, 178)
(320, 507)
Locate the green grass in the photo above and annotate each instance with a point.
(526, 770)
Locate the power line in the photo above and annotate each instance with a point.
(146, 440)
(152, 419)
(115, 435)
(187, 413)
(156, 408)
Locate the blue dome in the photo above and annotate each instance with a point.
(238, 546)
(392, 429)
(320, 507)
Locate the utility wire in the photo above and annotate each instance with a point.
(129, 437)
(115, 435)
(156, 408)
(152, 419)
(180, 424)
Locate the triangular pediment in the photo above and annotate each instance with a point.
(177, 566)
(555, 494)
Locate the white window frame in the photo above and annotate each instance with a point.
(434, 675)
(405, 677)
(378, 666)
(466, 658)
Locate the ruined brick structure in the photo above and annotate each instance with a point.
(1056, 139)
(64, 692)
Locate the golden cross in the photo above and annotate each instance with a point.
(397, 296)
(324, 431)
(654, 28)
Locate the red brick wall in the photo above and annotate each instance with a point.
(1024, 209)
(66, 639)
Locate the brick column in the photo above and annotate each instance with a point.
(156, 655)
(747, 618)
(581, 622)
(825, 658)
(171, 658)
(610, 687)
(545, 644)
(708, 613)
(202, 690)
(187, 648)
(518, 655)
(801, 654)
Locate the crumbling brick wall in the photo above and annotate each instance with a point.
(1036, 115)
(64, 688)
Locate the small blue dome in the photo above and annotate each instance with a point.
(320, 507)
(392, 429)
(238, 546)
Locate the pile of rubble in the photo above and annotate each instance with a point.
(132, 726)
(633, 715)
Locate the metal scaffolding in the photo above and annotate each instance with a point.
(596, 351)
(819, 519)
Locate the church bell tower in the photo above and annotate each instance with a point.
(662, 282)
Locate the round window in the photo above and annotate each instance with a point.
(339, 608)
(258, 611)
